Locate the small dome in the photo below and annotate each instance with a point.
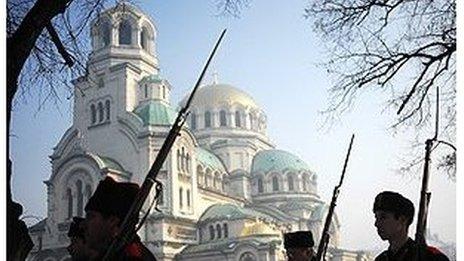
(156, 113)
(217, 95)
(209, 159)
(278, 161)
(259, 229)
(230, 212)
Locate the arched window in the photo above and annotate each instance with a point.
(105, 31)
(80, 199)
(238, 120)
(181, 197)
(88, 192)
(144, 39)
(125, 32)
(201, 175)
(187, 163)
(146, 90)
(193, 121)
(182, 161)
(100, 112)
(161, 196)
(275, 183)
(188, 198)
(290, 183)
(305, 181)
(219, 231)
(251, 121)
(223, 183)
(211, 232)
(101, 83)
(207, 178)
(93, 113)
(260, 185)
(226, 230)
(247, 256)
(178, 159)
(222, 118)
(108, 109)
(163, 89)
(70, 202)
(207, 119)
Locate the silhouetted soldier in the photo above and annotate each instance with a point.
(299, 246)
(393, 215)
(78, 250)
(105, 212)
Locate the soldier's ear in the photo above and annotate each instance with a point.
(404, 220)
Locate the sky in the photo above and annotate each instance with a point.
(271, 53)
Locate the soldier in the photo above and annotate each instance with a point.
(299, 245)
(105, 212)
(393, 215)
(77, 248)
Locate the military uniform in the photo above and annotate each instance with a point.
(135, 251)
(408, 252)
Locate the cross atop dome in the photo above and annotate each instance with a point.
(215, 77)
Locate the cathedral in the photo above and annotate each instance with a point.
(228, 192)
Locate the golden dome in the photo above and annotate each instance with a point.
(221, 95)
(258, 228)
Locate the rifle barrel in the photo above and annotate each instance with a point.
(127, 227)
(325, 236)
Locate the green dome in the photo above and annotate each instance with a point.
(320, 212)
(156, 113)
(229, 212)
(277, 160)
(154, 78)
(209, 159)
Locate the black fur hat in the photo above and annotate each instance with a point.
(394, 202)
(298, 239)
(113, 198)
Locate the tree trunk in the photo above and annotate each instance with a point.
(19, 47)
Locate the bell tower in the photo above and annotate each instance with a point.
(123, 34)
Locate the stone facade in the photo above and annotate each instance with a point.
(228, 194)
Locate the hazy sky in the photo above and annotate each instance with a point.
(272, 54)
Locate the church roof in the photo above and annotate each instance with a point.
(231, 243)
(153, 78)
(39, 226)
(294, 205)
(156, 113)
(230, 212)
(209, 159)
(277, 160)
(111, 164)
(320, 212)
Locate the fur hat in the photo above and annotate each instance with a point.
(75, 229)
(113, 198)
(298, 239)
(394, 202)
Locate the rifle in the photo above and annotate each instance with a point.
(325, 236)
(425, 195)
(128, 225)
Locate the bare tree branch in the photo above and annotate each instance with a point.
(404, 46)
